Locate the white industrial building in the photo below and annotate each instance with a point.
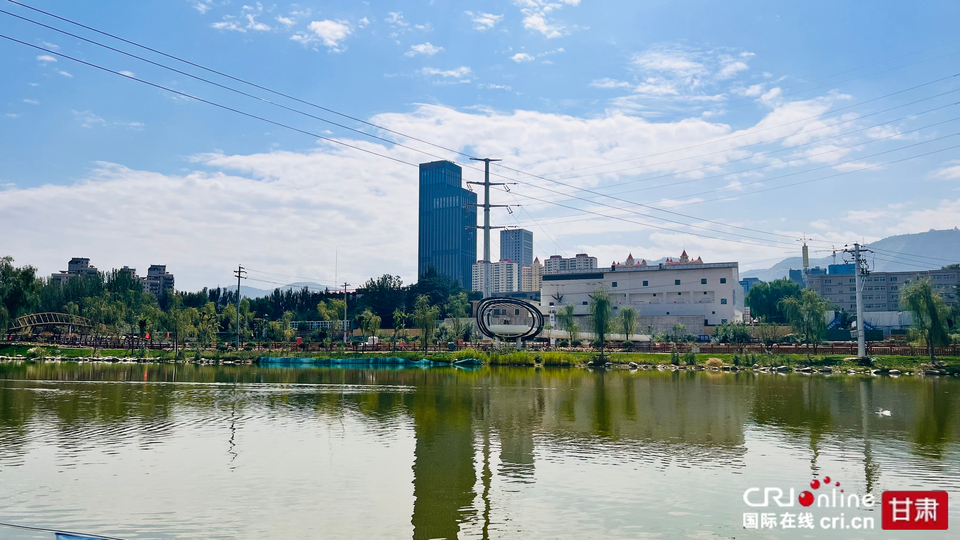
(691, 293)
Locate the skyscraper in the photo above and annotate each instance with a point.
(517, 245)
(446, 241)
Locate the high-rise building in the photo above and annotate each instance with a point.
(158, 280)
(557, 264)
(517, 245)
(531, 277)
(504, 276)
(77, 266)
(447, 241)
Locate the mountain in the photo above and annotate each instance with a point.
(922, 251)
(253, 292)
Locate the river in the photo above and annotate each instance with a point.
(183, 451)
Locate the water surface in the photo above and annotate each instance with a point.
(162, 451)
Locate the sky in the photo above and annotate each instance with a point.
(731, 130)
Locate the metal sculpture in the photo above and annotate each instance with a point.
(509, 319)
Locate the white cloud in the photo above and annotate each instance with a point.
(65, 74)
(522, 57)
(490, 86)
(610, 83)
(535, 16)
(484, 21)
(363, 22)
(396, 19)
(458, 73)
(423, 48)
(950, 171)
(247, 20)
(46, 59)
(286, 21)
(331, 33)
(49, 45)
(128, 73)
(203, 6)
(31, 101)
(12, 115)
(88, 119)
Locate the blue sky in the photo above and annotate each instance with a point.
(101, 166)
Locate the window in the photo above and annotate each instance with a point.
(704, 292)
(584, 303)
(713, 312)
(645, 283)
(614, 283)
(853, 298)
(678, 294)
(668, 313)
(551, 303)
(516, 312)
(676, 282)
(828, 281)
(893, 287)
(723, 321)
(853, 289)
(723, 300)
(893, 278)
(703, 281)
(723, 280)
(654, 294)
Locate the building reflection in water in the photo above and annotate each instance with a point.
(479, 434)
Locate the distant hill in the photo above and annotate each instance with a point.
(254, 292)
(897, 254)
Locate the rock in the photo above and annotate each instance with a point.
(783, 369)
(894, 372)
(633, 365)
(827, 369)
(756, 366)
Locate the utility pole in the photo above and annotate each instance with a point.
(240, 273)
(860, 271)
(486, 220)
(345, 285)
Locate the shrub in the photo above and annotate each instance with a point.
(563, 343)
(674, 357)
(627, 345)
(690, 358)
(714, 363)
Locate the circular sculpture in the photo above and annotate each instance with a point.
(509, 319)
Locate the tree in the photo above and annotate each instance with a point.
(929, 313)
(399, 324)
(805, 315)
(425, 318)
(627, 321)
(600, 315)
(383, 296)
(765, 299)
(679, 332)
(565, 321)
(19, 291)
(457, 306)
(369, 323)
(735, 333)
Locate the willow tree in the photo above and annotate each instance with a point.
(627, 321)
(929, 313)
(600, 315)
(425, 318)
(399, 325)
(565, 321)
(806, 315)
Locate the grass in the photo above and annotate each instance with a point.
(507, 357)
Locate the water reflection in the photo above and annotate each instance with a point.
(494, 452)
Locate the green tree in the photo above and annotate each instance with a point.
(929, 313)
(370, 323)
(627, 321)
(600, 315)
(19, 291)
(805, 315)
(679, 332)
(735, 333)
(383, 296)
(566, 322)
(457, 308)
(399, 325)
(425, 318)
(765, 299)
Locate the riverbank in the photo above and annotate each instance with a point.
(827, 363)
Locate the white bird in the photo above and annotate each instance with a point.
(883, 412)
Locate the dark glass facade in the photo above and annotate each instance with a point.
(446, 242)
(517, 245)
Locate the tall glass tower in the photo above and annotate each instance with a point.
(446, 243)
(517, 245)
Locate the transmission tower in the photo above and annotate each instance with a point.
(860, 271)
(486, 219)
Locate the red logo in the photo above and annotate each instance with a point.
(914, 510)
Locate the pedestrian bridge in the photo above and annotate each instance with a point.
(47, 321)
